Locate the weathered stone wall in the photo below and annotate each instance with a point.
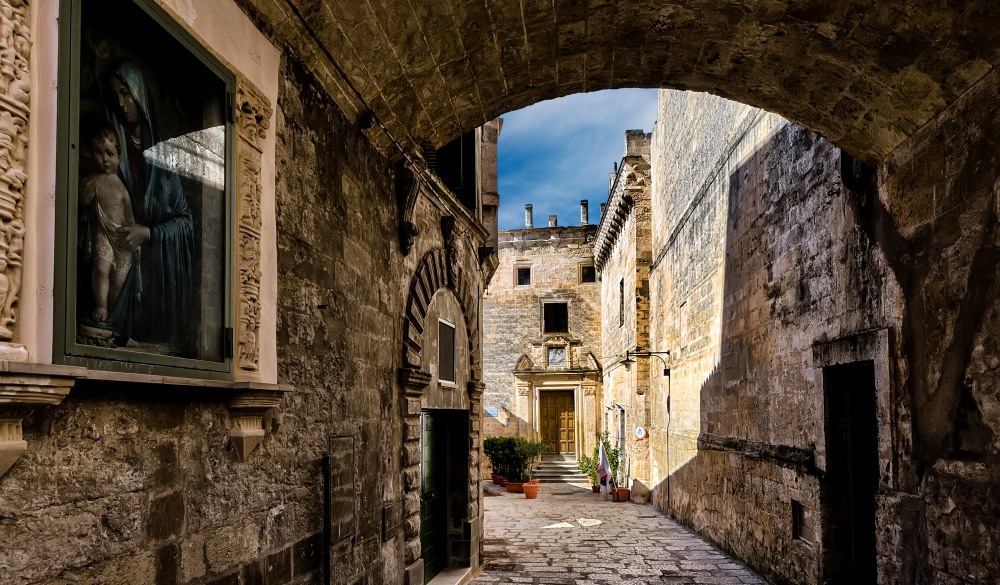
(767, 269)
(124, 487)
(139, 483)
(757, 256)
(512, 324)
(935, 219)
(624, 250)
(340, 297)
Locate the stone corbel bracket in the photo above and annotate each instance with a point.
(407, 193)
(248, 408)
(24, 388)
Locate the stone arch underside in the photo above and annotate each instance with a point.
(863, 74)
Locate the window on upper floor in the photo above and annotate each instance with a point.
(621, 302)
(446, 352)
(145, 214)
(555, 318)
(522, 275)
(587, 273)
(455, 164)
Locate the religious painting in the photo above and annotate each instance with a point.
(148, 202)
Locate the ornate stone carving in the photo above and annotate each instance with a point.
(451, 234)
(15, 83)
(247, 410)
(23, 389)
(252, 120)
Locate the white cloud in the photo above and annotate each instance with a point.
(555, 153)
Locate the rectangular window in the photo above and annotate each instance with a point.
(523, 276)
(587, 273)
(802, 523)
(555, 318)
(145, 180)
(621, 302)
(446, 352)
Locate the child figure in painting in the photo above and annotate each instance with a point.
(109, 208)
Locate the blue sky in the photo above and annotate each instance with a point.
(555, 153)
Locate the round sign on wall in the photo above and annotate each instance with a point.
(640, 433)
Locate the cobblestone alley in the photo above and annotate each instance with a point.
(571, 536)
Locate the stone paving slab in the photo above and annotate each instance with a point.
(570, 536)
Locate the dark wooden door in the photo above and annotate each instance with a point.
(851, 483)
(558, 421)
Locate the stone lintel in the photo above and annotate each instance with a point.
(25, 387)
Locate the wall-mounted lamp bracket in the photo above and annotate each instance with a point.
(628, 361)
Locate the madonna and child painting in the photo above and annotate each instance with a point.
(151, 195)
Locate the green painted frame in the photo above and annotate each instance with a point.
(65, 349)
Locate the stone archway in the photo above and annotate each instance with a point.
(864, 75)
(437, 272)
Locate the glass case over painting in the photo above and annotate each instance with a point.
(147, 206)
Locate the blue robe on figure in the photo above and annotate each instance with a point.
(158, 202)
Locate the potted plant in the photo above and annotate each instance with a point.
(523, 455)
(619, 473)
(588, 466)
(532, 452)
(496, 450)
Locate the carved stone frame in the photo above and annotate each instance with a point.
(437, 270)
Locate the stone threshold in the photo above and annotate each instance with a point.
(454, 576)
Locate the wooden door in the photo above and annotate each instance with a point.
(849, 491)
(558, 421)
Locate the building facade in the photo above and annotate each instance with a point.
(541, 337)
(782, 429)
(622, 257)
(206, 374)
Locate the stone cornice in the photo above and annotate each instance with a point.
(619, 206)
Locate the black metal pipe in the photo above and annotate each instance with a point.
(327, 520)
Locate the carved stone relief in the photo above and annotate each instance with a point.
(15, 82)
(253, 115)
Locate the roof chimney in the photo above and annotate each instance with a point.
(602, 210)
(527, 216)
(584, 212)
(552, 221)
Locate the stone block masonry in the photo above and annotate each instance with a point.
(515, 344)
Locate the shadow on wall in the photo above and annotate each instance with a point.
(494, 426)
(500, 422)
(803, 265)
(741, 471)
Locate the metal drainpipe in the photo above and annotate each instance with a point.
(327, 519)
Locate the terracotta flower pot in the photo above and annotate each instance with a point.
(595, 488)
(498, 479)
(535, 481)
(515, 487)
(530, 490)
(622, 494)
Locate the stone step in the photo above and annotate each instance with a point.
(559, 469)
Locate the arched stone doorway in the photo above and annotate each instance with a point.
(441, 417)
